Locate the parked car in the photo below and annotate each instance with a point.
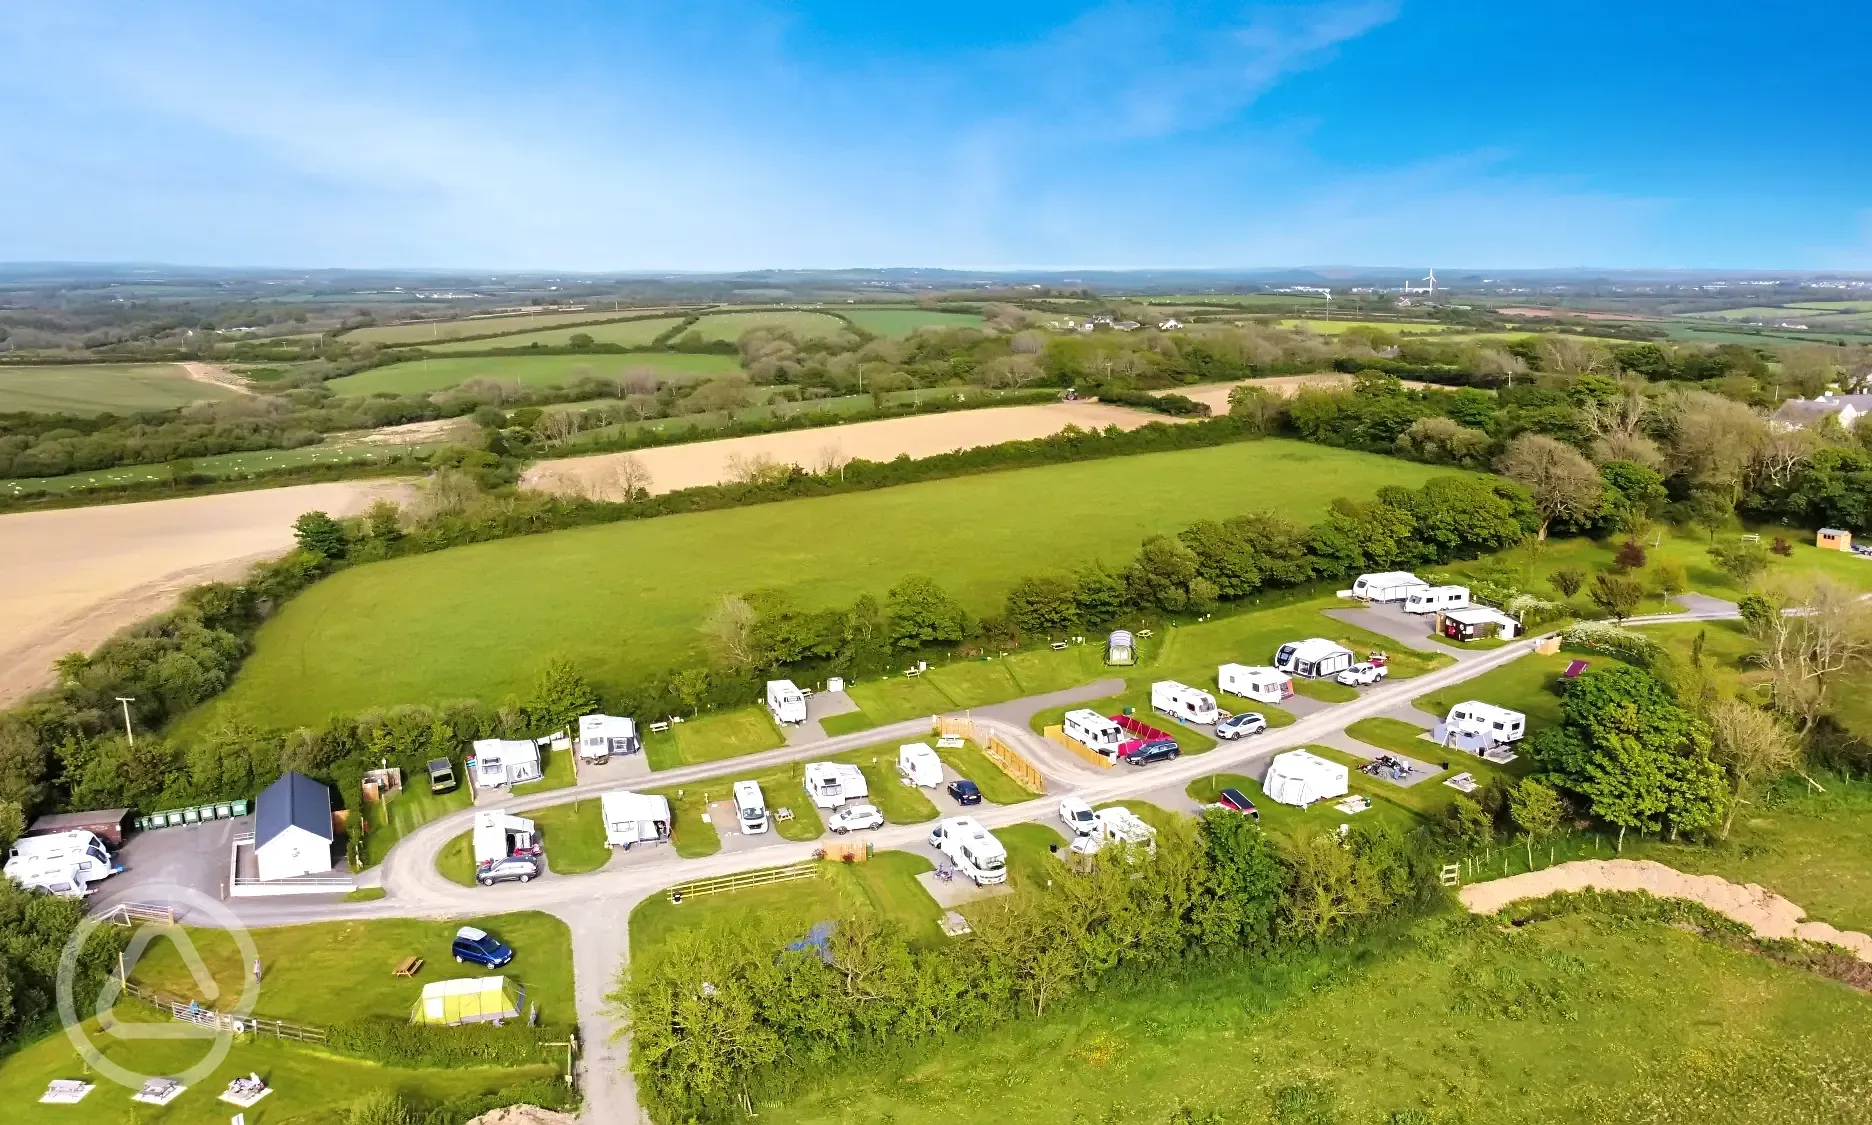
(1363, 674)
(853, 817)
(478, 947)
(515, 868)
(965, 791)
(1077, 815)
(1156, 750)
(1235, 800)
(1240, 726)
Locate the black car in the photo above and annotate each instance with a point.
(965, 791)
(1156, 750)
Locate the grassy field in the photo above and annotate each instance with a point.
(441, 330)
(478, 621)
(97, 388)
(627, 333)
(574, 835)
(330, 971)
(902, 322)
(712, 737)
(1396, 328)
(419, 375)
(1319, 818)
(223, 465)
(730, 326)
(410, 809)
(559, 771)
(1573, 1020)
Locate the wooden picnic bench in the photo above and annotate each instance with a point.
(408, 967)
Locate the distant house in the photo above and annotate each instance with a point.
(1800, 413)
(293, 829)
(1170, 325)
(1127, 325)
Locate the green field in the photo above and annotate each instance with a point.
(627, 333)
(627, 598)
(98, 388)
(407, 810)
(730, 326)
(1399, 328)
(223, 465)
(419, 375)
(1241, 300)
(902, 322)
(439, 330)
(1833, 306)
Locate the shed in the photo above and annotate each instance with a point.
(1313, 658)
(1475, 622)
(293, 829)
(468, 1000)
(635, 818)
(1387, 586)
(1300, 778)
(106, 824)
(504, 761)
(1265, 685)
(1833, 539)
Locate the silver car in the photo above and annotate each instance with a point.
(1240, 726)
(854, 817)
(513, 869)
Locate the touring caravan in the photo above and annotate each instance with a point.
(498, 835)
(919, 765)
(1098, 733)
(64, 863)
(1388, 586)
(831, 784)
(1191, 705)
(750, 808)
(1264, 685)
(1431, 599)
(785, 702)
(634, 818)
(974, 851)
(1300, 778)
(1313, 658)
(1478, 720)
(601, 736)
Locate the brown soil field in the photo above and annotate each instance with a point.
(70, 578)
(707, 462)
(217, 375)
(1216, 394)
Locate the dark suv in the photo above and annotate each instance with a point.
(965, 791)
(515, 868)
(478, 947)
(1156, 750)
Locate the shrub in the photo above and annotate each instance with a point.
(395, 1042)
(1629, 556)
(1567, 580)
(1600, 636)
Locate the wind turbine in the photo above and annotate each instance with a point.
(1431, 279)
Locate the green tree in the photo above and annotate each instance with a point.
(1711, 509)
(1563, 483)
(561, 695)
(1537, 810)
(581, 340)
(1099, 595)
(1259, 409)
(1468, 823)
(385, 521)
(922, 613)
(1567, 580)
(1616, 594)
(1753, 748)
(320, 535)
(1160, 575)
(1740, 561)
(1044, 605)
(1244, 874)
(12, 823)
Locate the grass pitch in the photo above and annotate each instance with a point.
(99, 388)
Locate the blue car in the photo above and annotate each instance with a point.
(965, 792)
(478, 947)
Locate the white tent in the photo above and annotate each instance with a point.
(498, 835)
(1300, 778)
(505, 761)
(1313, 658)
(634, 818)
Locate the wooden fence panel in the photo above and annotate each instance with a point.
(1058, 734)
(1014, 764)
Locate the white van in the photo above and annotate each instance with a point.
(1180, 701)
(919, 765)
(750, 807)
(974, 851)
(786, 702)
(61, 862)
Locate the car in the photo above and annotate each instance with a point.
(1077, 815)
(515, 868)
(965, 791)
(478, 947)
(1235, 800)
(1363, 674)
(1156, 750)
(1239, 726)
(853, 817)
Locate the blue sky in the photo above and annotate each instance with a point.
(727, 135)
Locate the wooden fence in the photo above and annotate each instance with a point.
(1058, 734)
(190, 1011)
(808, 869)
(946, 727)
(1014, 764)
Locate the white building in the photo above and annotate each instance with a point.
(498, 835)
(1799, 413)
(919, 765)
(293, 829)
(1474, 723)
(1387, 586)
(831, 784)
(1300, 778)
(601, 736)
(1478, 621)
(504, 761)
(1313, 658)
(786, 702)
(1430, 599)
(635, 818)
(1180, 701)
(1264, 685)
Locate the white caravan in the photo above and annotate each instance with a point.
(505, 761)
(1264, 685)
(1180, 701)
(498, 835)
(785, 702)
(1300, 778)
(1313, 658)
(634, 818)
(831, 784)
(64, 863)
(1430, 599)
(919, 765)
(601, 736)
(1098, 733)
(1485, 720)
(1117, 825)
(750, 807)
(974, 851)
(1389, 586)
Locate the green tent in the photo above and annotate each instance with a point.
(469, 1000)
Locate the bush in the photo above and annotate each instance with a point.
(399, 1043)
(1601, 636)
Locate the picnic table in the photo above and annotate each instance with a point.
(408, 967)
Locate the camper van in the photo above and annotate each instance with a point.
(63, 863)
(750, 807)
(919, 765)
(831, 784)
(1098, 733)
(786, 702)
(1390, 586)
(1180, 701)
(1313, 658)
(1264, 685)
(969, 846)
(1430, 599)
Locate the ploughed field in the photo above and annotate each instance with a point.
(626, 599)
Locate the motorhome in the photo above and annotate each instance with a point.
(974, 851)
(919, 765)
(634, 818)
(1474, 719)
(785, 702)
(1430, 599)
(1388, 586)
(1313, 658)
(1117, 824)
(1098, 733)
(1180, 701)
(1264, 685)
(64, 863)
(750, 808)
(831, 784)
(601, 736)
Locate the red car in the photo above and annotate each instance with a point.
(1235, 800)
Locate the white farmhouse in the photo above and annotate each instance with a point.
(293, 829)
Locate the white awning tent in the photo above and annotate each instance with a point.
(1300, 778)
(1314, 657)
(505, 761)
(634, 818)
(601, 736)
(1387, 586)
(498, 835)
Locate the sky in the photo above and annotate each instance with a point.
(739, 134)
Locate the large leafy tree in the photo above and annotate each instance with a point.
(922, 613)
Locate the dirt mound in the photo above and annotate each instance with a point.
(1762, 911)
(524, 1115)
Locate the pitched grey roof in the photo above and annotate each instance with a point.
(293, 799)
